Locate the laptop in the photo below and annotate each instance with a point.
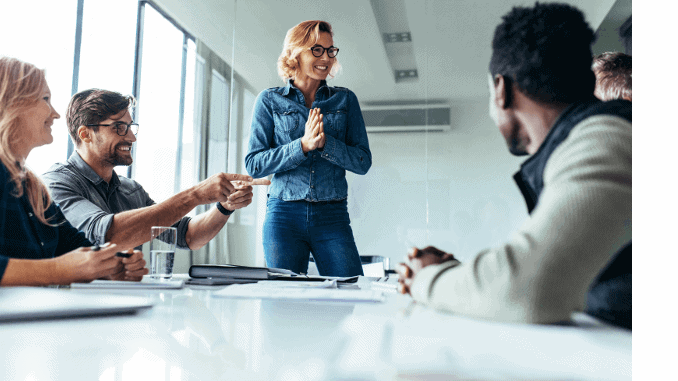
(37, 303)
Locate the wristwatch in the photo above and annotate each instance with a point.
(223, 210)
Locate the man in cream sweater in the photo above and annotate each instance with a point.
(573, 253)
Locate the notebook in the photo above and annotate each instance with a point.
(37, 303)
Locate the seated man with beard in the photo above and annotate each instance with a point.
(111, 208)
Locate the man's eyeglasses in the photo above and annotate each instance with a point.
(120, 127)
(319, 50)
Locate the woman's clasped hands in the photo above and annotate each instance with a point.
(314, 133)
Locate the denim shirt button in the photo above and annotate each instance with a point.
(311, 186)
(42, 244)
(312, 171)
(30, 214)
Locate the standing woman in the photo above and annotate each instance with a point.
(38, 246)
(308, 135)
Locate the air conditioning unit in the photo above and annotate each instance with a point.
(407, 118)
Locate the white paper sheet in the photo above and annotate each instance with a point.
(329, 283)
(256, 290)
(119, 284)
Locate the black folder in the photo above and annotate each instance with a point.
(253, 274)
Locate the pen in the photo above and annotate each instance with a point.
(118, 254)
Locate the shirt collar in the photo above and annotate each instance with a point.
(323, 86)
(87, 171)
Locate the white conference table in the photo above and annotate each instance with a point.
(191, 334)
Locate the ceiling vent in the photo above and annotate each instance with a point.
(407, 118)
(391, 18)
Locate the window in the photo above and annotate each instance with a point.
(46, 41)
(192, 112)
(108, 41)
(158, 105)
(218, 132)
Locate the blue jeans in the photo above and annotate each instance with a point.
(293, 229)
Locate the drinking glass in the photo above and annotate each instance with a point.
(163, 245)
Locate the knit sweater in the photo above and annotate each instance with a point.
(543, 272)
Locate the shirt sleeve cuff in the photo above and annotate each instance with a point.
(423, 282)
(329, 148)
(182, 228)
(100, 230)
(297, 152)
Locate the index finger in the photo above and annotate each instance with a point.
(260, 182)
(236, 177)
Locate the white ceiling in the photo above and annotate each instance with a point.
(451, 40)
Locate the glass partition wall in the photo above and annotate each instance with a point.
(441, 174)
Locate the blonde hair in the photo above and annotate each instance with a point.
(21, 86)
(302, 36)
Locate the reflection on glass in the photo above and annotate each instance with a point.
(218, 131)
(248, 215)
(188, 174)
(45, 39)
(158, 105)
(190, 143)
(234, 165)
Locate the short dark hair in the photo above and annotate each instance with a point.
(93, 106)
(546, 51)
(613, 75)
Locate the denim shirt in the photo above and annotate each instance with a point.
(278, 124)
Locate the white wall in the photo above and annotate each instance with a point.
(464, 181)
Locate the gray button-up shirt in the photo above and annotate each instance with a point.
(89, 202)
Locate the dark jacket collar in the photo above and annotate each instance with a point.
(530, 177)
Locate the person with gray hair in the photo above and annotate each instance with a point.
(613, 76)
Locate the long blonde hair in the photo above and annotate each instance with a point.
(21, 86)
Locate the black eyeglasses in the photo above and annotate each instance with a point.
(120, 127)
(318, 51)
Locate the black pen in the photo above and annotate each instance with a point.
(118, 254)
